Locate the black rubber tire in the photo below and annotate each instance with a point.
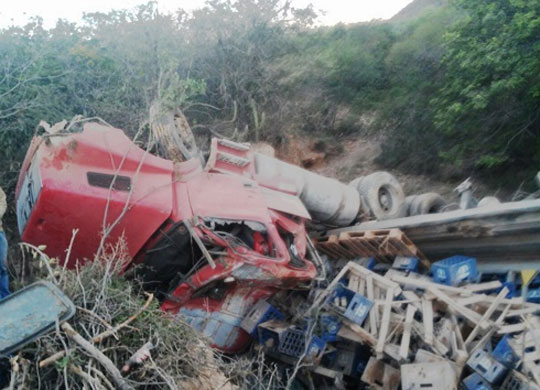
(408, 203)
(356, 182)
(414, 206)
(428, 203)
(363, 212)
(383, 195)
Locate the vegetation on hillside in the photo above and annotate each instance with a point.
(455, 89)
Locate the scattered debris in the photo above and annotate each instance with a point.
(224, 245)
(138, 357)
(31, 312)
(112, 319)
(396, 326)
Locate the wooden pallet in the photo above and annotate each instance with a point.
(384, 245)
(331, 246)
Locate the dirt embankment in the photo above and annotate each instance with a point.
(351, 158)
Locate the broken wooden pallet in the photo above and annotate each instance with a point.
(384, 245)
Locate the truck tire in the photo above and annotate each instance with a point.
(487, 201)
(428, 203)
(383, 196)
(363, 213)
(408, 203)
(356, 182)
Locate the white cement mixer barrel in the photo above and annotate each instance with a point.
(327, 200)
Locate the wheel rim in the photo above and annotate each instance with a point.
(385, 199)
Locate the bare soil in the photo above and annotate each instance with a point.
(356, 157)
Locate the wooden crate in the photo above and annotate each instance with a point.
(384, 245)
(331, 246)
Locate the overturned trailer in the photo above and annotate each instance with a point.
(503, 236)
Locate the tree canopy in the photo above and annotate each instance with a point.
(455, 88)
(490, 99)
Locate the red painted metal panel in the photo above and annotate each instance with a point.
(67, 201)
(154, 196)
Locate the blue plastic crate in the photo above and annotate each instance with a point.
(344, 361)
(293, 343)
(316, 348)
(491, 276)
(455, 270)
(361, 359)
(476, 382)
(360, 366)
(330, 326)
(261, 312)
(404, 263)
(348, 358)
(329, 358)
(504, 353)
(517, 381)
(356, 307)
(533, 295)
(381, 268)
(512, 289)
(271, 330)
(487, 367)
(264, 335)
(366, 262)
(340, 291)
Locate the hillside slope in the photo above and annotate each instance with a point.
(416, 9)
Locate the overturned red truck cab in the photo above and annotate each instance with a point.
(211, 241)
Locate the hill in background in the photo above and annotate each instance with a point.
(416, 9)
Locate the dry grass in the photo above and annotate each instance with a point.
(181, 359)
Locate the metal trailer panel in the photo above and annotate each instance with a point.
(505, 234)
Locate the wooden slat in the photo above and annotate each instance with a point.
(511, 328)
(385, 321)
(373, 313)
(384, 245)
(362, 242)
(427, 315)
(362, 287)
(354, 283)
(353, 332)
(378, 279)
(406, 338)
(470, 315)
(330, 245)
(487, 315)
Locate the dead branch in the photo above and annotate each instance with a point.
(93, 382)
(100, 337)
(92, 314)
(97, 355)
(111, 332)
(103, 378)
